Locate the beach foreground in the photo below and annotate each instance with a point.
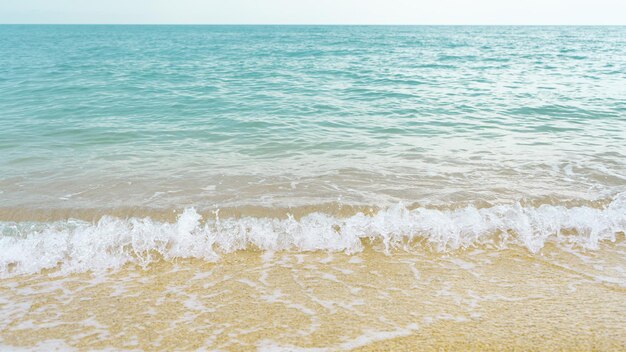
(474, 299)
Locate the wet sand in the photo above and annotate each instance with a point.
(249, 300)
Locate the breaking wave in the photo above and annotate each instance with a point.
(77, 246)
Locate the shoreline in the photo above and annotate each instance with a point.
(370, 301)
(337, 209)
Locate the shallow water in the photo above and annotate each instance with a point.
(288, 301)
(204, 116)
(304, 187)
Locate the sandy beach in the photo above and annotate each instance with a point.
(471, 300)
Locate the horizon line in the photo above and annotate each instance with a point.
(311, 24)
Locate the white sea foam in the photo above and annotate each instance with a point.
(76, 246)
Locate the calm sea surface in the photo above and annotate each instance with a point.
(174, 116)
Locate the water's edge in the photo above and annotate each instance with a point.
(77, 245)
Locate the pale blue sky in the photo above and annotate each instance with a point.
(316, 11)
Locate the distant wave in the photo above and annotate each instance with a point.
(78, 246)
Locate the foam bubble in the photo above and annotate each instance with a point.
(77, 246)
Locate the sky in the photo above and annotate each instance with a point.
(597, 12)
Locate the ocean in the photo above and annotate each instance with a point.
(318, 188)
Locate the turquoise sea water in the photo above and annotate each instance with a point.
(171, 116)
(451, 134)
